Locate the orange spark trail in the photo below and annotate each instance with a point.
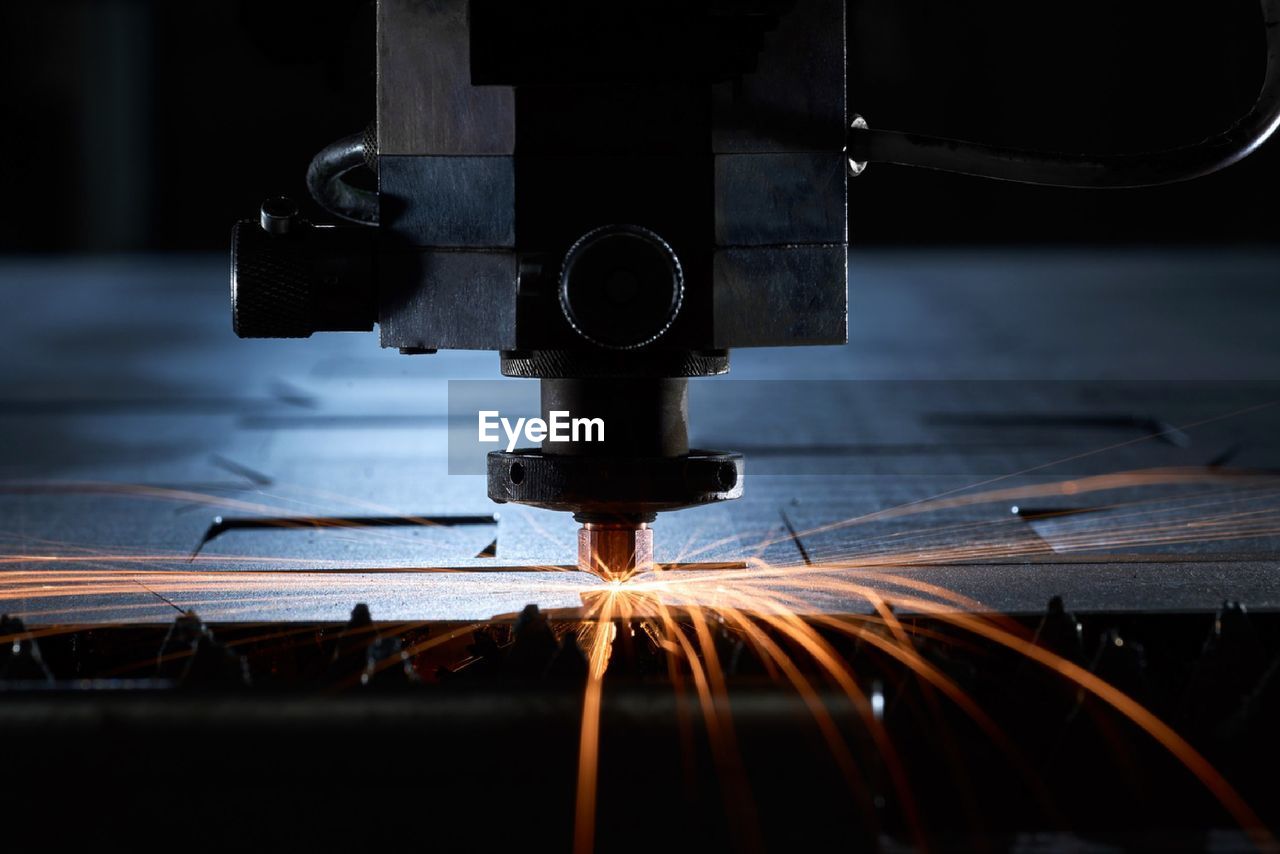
(584, 824)
(738, 801)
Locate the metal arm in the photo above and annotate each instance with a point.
(1146, 169)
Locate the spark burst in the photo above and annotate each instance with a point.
(777, 610)
(766, 600)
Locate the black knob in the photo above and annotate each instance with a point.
(621, 286)
(270, 289)
(290, 279)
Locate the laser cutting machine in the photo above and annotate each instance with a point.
(613, 196)
(1019, 591)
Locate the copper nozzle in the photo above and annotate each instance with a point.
(615, 551)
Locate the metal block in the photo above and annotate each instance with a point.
(780, 199)
(426, 102)
(453, 202)
(781, 296)
(795, 98)
(440, 300)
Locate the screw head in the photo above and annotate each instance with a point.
(279, 213)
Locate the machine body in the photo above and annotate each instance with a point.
(611, 196)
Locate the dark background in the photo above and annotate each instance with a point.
(153, 125)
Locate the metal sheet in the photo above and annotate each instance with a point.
(126, 431)
(1105, 587)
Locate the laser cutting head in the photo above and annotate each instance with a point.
(609, 195)
(612, 196)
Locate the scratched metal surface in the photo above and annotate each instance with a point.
(130, 417)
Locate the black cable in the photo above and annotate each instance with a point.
(1148, 169)
(325, 181)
